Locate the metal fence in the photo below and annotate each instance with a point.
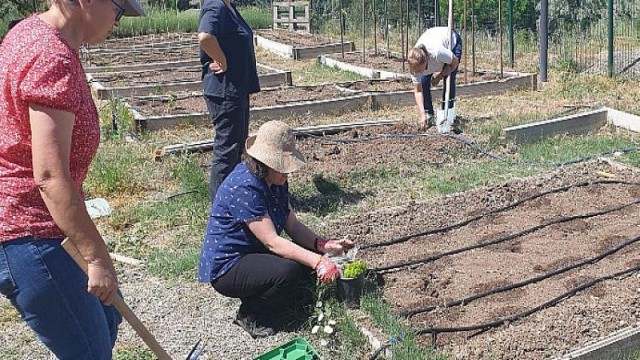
(579, 31)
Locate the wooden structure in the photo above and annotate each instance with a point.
(292, 15)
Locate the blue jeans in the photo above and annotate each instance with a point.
(426, 81)
(50, 291)
(230, 119)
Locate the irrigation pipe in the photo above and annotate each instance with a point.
(467, 300)
(495, 211)
(434, 331)
(504, 238)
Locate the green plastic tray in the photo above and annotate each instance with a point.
(296, 349)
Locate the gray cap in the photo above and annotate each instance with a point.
(132, 8)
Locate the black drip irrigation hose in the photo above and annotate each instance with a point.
(467, 300)
(480, 328)
(504, 238)
(434, 331)
(470, 144)
(495, 211)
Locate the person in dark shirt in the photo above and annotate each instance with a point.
(229, 76)
(243, 255)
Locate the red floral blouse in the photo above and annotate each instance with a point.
(38, 66)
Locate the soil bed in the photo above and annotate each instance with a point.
(360, 149)
(177, 53)
(393, 64)
(296, 39)
(588, 315)
(193, 103)
(146, 40)
(160, 76)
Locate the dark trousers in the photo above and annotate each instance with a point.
(426, 82)
(265, 283)
(230, 119)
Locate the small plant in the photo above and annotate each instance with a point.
(354, 269)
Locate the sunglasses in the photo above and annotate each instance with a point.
(121, 10)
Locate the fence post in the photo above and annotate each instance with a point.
(544, 38)
(610, 45)
(512, 56)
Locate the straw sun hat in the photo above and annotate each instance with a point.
(275, 146)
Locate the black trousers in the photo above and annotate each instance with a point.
(230, 118)
(265, 283)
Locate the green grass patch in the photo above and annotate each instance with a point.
(315, 73)
(116, 121)
(160, 20)
(8, 313)
(117, 170)
(257, 17)
(184, 210)
(562, 149)
(407, 347)
(180, 263)
(134, 354)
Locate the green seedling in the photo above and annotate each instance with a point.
(354, 269)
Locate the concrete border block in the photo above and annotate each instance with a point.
(582, 123)
(620, 344)
(332, 106)
(301, 53)
(623, 120)
(370, 73)
(273, 79)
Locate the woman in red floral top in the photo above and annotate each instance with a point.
(49, 134)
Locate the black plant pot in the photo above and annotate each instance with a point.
(350, 290)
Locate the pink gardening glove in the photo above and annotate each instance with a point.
(326, 270)
(332, 246)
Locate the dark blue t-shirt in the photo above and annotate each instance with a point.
(236, 40)
(242, 197)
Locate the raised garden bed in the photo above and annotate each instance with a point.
(142, 56)
(382, 66)
(169, 79)
(394, 97)
(495, 237)
(156, 112)
(299, 45)
(150, 40)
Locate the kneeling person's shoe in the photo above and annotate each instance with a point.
(251, 325)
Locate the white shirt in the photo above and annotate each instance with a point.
(438, 44)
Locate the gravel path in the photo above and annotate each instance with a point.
(177, 313)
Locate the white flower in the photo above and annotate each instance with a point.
(323, 342)
(332, 322)
(328, 329)
(319, 304)
(315, 329)
(321, 316)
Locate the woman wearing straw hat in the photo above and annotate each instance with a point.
(243, 255)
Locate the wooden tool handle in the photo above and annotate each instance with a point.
(121, 306)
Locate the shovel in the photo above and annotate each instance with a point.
(126, 312)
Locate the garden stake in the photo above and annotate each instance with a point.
(127, 313)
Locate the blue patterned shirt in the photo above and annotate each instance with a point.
(242, 197)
